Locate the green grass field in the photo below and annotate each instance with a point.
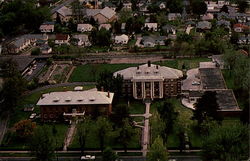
(90, 72)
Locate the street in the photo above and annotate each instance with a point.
(129, 158)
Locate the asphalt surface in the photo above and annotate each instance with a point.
(35, 72)
(130, 158)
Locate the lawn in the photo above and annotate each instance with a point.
(32, 99)
(93, 141)
(90, 72)
(10, 140)
(188, 62)
(185, 115)
(135, 106)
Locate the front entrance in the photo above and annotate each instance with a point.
(148, 90)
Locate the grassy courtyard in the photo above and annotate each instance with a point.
(90, 72)
(93, 141)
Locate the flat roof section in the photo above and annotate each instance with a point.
(211, 78)
(226, 100)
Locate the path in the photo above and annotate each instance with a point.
(146, 130)
(69, 136)
(69, 74)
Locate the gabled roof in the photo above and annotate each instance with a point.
(107, 12)
(204, 25)
(64, 11)
(121, 37)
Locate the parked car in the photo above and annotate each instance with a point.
(87, 157)
(196, 83)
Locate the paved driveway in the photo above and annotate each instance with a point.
(191, 77)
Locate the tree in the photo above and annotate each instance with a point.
(13, 86)
(157, 126)
(227, 143)
(109, 155)
(24, 128)
(243, 5)
(207, 106)
(168, 115)
(175, 6)
(103, 128)
(42, 145)
(126, 134)
(36, 51)
(119, 113)
(157, 151)
(83, 131)
(101, 37)
(199, 7)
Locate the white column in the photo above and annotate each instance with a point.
(143, 90)
(152, 90)
(134, 90)
(161, 89)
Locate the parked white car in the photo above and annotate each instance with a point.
(87, 157)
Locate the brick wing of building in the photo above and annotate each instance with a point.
(55, 105)
(151, 81)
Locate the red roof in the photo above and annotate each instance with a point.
(61, 37)
(241, 26)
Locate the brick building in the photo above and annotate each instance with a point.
(55, 105)
(151, 81)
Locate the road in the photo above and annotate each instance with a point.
(3, 126)
(61, 5)
(128, 158)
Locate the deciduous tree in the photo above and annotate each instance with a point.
(157, 151)
(25, 128)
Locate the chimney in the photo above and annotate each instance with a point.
(102, 89)
(149, 63)
(157, 67)
(108, 94)
(138, 68)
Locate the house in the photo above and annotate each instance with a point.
(64, 13)
(204, 25)
(222, 15)
(21, 43)
(152, 41)
(240, 27)
(244, 40)
(84, 27)
(169, 29)
(57, 105)
(207, 17)
(104, 15)
(62, 39)
(121, 39)
(173, 16)
(45, 49)
(151, 26)
(162, 5)
(223, 23)
(127, 5)
(47, 27)
(242, 17)
(143, 7)
(213, 7)
(109, 5)
(106, 26)
(82, 40)
(150, 81)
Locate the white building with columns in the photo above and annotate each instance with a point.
(151, 81)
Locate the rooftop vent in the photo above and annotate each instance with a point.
(68, 99)
(56, 99)
(92, 99)
(80, 99)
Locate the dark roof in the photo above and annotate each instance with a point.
(61, 37)
(195, 93)
(211, 78)
(22, 61)
(226, 100)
